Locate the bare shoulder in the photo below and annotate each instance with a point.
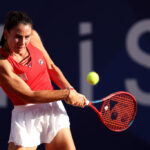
(5, 66)
(36, 40)
(34, 33)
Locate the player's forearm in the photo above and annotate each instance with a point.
(45, 96)
(58, 77)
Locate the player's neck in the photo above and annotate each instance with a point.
(17, 55)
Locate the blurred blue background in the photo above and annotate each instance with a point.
(109, 37)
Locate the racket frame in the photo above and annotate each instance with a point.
(99, 112)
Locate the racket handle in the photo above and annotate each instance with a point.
(87, 102)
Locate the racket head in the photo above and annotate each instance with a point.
(118, 111)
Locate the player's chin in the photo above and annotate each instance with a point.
(20, 48)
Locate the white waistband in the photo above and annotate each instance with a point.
(25, 107)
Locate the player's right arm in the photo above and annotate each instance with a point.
(17, 86)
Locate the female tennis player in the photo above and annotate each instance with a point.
(26, 71)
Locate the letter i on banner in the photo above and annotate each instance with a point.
(85, 58)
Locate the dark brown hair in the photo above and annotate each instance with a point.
(13, 19)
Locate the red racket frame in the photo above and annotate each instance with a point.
(99, 113)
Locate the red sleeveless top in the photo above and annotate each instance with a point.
(35, 74)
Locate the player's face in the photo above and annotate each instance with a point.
(19, 37)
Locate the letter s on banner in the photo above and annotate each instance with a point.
(140, 57)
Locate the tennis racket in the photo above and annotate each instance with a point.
(117, 111)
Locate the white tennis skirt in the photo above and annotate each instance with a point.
(34, 124)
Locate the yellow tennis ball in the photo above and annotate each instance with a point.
(92, 78)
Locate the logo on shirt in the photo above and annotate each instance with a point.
(30, 65)
(40, 61)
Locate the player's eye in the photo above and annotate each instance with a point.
(27, 37)
(18, 36)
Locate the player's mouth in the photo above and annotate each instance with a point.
(20, 47)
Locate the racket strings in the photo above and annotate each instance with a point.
(118, 112)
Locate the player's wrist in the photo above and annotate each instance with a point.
(69, 91)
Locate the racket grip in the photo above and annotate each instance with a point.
(87, 102)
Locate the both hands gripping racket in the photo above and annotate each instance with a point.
(117, 111)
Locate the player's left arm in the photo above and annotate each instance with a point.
(55, 73)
